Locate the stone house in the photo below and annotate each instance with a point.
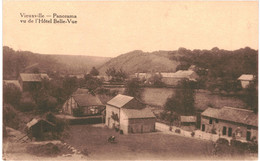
(230, 122)
(129, 115)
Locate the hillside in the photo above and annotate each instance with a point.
(139, 61)
(15, 62)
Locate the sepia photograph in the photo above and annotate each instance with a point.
(130, 80)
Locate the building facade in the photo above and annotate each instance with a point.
(230, 122)
(129, 115)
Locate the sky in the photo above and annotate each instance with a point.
(113, 28)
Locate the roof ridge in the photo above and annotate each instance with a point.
(235, 108)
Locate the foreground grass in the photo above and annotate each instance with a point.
(137, 146)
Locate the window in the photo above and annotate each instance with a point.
(224, 131)
(230, 131)
(203, 127)
(210, 121)
(216, 120)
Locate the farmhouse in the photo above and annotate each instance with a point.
(28, 80)
(231, 122)
(83, 104)
(246, 79)
(129, 115)
(174, 78)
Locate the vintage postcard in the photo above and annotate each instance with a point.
(130, 80)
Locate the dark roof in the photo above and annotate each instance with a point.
(120, 100)
(238, 115)
(87, 100)
(138, 113)
(28, 77)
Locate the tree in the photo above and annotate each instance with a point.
(11, 94)
(133, 88)
(92, 83)
(182, 102)
(251, 96)
(116, 76)
(94, 72)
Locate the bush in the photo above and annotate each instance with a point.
(236, 143)
(222, 141)
(11, 94)
(121, 132)
(26, 106)
(193, 133)
(178, 131)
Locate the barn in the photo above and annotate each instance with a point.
(30, 81)
(40, 129)
(82, 103)
(129, 115)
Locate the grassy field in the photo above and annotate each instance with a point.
(203, 98)
(155, 146)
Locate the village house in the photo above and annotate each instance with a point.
(174, 78)
(246, 79)
(129, 115)
(84, 102)
(230, 122)
(143, 75)
(12, 82)
(29, 80)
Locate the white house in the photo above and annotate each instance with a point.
(129, 115)
(246, 79)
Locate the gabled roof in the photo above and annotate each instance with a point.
(35, 121)
(120, 100)
(87, 100)
(138, 113)
(188, 118)
(81, 91)
(246, 77)
(237, 115)
(29, 77)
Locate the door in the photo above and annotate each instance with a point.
(203, 127)
(224, 131)
(248, 135)
(230, 131)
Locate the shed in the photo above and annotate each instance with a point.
(40, 129)
(246, 79)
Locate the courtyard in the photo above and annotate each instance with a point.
(92, 139)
